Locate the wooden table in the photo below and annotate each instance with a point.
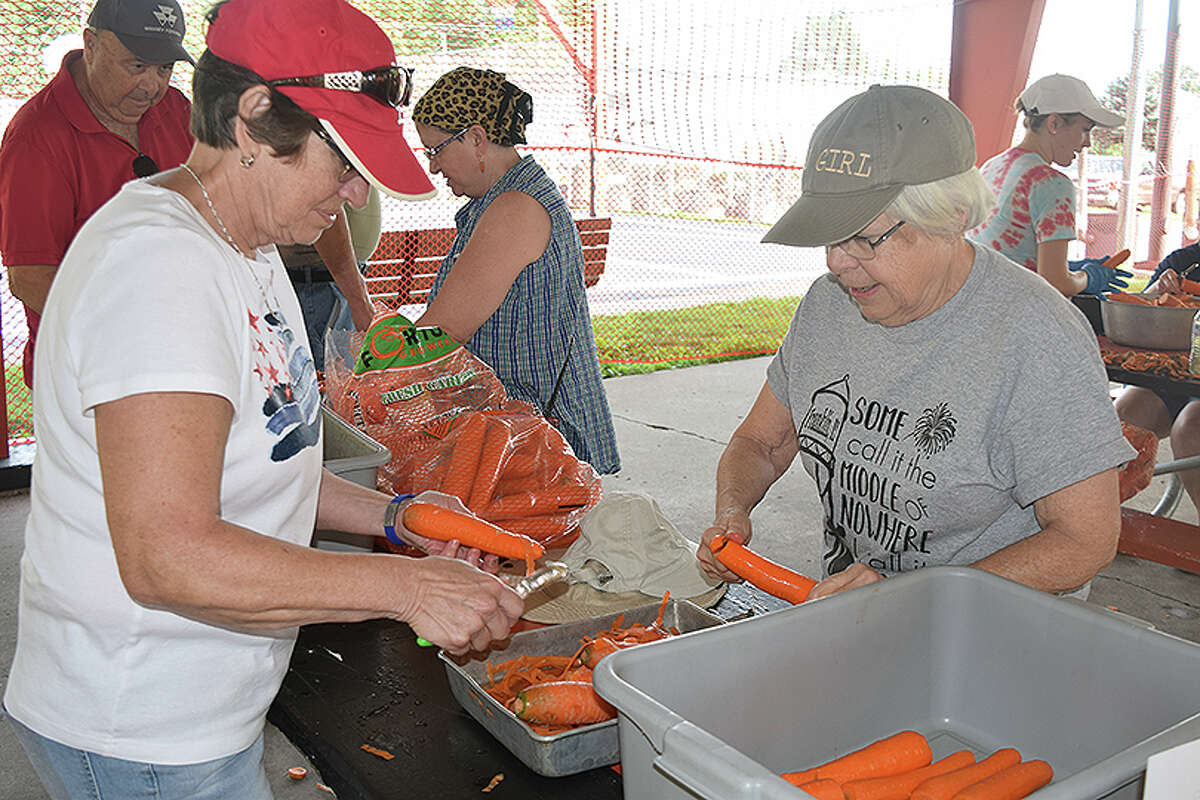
(369, 683)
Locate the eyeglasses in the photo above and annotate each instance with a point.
(431, 152)
(860, 248)
(390, 85)
(144, 166)
(349, 171)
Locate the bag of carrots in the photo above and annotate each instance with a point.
(1137, 473)
(450, 426)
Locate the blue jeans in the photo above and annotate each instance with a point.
(71, 774)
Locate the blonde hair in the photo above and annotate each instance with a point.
(946, 207)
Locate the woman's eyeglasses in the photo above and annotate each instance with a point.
(860, 248)
(348, 168)
(144, 166)
(390, 85)
(431, 152)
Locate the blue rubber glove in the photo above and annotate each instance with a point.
(1100, 278)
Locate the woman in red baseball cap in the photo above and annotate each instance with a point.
(179, 472)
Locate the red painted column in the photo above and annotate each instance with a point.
(990, 51)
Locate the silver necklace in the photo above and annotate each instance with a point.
(228, 238)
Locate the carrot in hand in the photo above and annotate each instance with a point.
(1117, 259)
(435, 522)
(1012, 783)
(1189, 286)
(763, 573)
(898, 787)
(824, 789)
(944, 787)
(561, 703)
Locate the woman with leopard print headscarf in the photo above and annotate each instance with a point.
(511, 287)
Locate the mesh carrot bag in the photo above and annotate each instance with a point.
(1136, 474)
(450, 426)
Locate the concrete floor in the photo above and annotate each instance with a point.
(671, 427)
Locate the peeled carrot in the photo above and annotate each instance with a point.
(561, 703)
(898, 787)
(491, 459)
(592, 652)
(1012, 783)
(824, 789)
(892, 755)
(1189, 286)
(1116, 259)
(944, 787)
(1127, 297)
(435, 522)
(464, 458)
(761, 572)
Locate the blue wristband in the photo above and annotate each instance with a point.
(389, 518)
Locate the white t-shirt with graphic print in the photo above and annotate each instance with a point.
(929, 442)
(150, 299)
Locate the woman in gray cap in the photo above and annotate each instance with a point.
(912, 385)
(1034, 218)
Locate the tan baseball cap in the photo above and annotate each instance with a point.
(1063, 94)
(864, 153)
(628, 554)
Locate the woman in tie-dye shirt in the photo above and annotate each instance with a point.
(1034, 218)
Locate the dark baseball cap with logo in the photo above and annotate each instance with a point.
(864, 153)
(150, 29)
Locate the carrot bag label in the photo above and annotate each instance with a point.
(450, 426)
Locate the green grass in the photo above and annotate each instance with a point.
(646, 341)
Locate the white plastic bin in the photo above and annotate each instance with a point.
(966, 658)
(351, 454)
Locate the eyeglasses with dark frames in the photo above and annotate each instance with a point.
(431, 152)
(862, 248)
(390, 85)
(144, 166)
(349, 171)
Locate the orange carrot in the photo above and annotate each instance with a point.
(1126, 297)
(532, 504)
(944, 787)
(491, 460)
(898, 787)
(1117, 259)
(800, 778)
(435, 522)
(1012, 783)
(464, 458)
(892, 755)
(824, 789)
(1189, 286)
(592, 652)
(562, 703)
(763, 573)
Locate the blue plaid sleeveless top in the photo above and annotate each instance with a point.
(543, 326)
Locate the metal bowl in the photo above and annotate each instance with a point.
(1153, 327)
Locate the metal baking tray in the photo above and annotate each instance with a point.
(572, 751)
(1153, 327)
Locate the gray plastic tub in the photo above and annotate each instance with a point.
(572, 751)
(966, 658)
(349, 453)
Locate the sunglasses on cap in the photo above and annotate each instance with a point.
(390, 85)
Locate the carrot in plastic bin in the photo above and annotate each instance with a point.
(562, 703)
(823, 789)
(539, 503)
(1011, 783)
(492, 455)
(892, 755)
(945, 787)
(435, 522)
(898, 787)
(763, 573)
(1117, 259)
(464, 458)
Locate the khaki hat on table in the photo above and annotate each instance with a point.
(628, 554)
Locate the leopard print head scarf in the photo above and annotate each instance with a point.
(465, 96)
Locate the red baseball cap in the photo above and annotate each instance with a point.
(316, 37)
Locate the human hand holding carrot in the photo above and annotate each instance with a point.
(452, 548)
(733, 524)
(853, 576)
(1168, 282)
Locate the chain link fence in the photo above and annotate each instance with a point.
(685, 124)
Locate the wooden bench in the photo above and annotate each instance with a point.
(403, 266)
(1162, 539)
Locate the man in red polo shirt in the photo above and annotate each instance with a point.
(107, 117)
